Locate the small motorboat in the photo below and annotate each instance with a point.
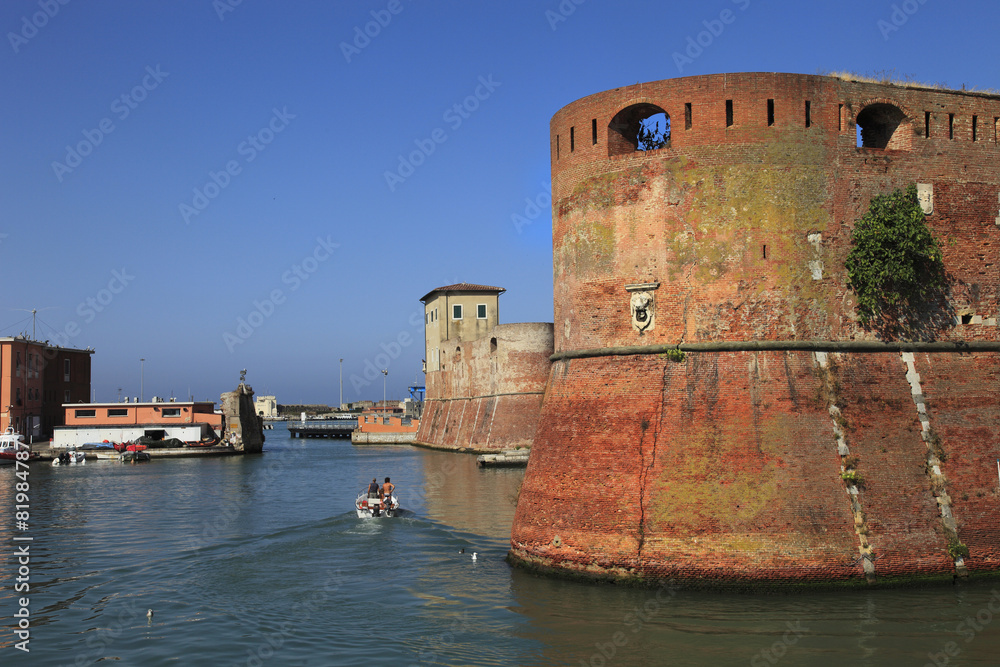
(10, 444)
(134, 455)
(373, 506)
(69, 457)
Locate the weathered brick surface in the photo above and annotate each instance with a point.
(697, 215)
(725, 467)
(488, 394)
(961, 396)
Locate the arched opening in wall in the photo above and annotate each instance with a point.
(640, 127)
(883, 125)
(493, 345)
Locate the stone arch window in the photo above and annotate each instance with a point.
(638, 127)
(883, 125)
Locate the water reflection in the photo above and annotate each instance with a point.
(471, 499)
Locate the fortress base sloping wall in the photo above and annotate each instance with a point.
(725, 469)
(488, 394)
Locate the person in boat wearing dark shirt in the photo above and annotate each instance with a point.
(387, 490)
(373, 490)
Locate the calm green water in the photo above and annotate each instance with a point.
(262, 560)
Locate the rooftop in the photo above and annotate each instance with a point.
(464, 287)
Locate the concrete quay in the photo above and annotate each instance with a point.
(46, 452)
(511, 458)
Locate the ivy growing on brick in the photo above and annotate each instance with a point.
(896, 270)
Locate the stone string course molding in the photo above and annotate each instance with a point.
(797, 345)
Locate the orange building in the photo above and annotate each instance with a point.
(189, 421)
(35, 380)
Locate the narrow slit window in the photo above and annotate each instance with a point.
(572, 139)
(770, 113)
(729, 113)
(975, 123)
(951, 126)
(927, 124)
(687, 115)
(593, 131)
(840, 117)
(809, 121)
(763, 251)
(996, 128)
(557, 146)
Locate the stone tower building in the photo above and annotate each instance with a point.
(787, 444)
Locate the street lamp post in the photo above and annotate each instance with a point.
(385, 374)
(142, 378)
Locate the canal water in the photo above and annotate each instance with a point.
(262, 560)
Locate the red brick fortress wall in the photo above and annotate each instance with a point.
(725, 467)
(488, 394)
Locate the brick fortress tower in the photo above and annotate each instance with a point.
(725, 465)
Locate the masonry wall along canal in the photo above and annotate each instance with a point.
(262, 560)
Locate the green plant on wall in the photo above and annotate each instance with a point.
(896, 270)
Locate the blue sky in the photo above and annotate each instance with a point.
(203, 183)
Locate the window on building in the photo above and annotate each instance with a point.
(118, 412)
(639, 127)
(66, 366)
(171, 412)
(86, 413)
(481, 311)
(66, 398)
(456, 311)
(17, 365)
(883, 125)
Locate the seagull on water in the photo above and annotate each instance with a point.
(473, 555)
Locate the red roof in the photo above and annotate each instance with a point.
(464, 287)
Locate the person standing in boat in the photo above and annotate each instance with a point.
(373, 490)
(387, 490)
